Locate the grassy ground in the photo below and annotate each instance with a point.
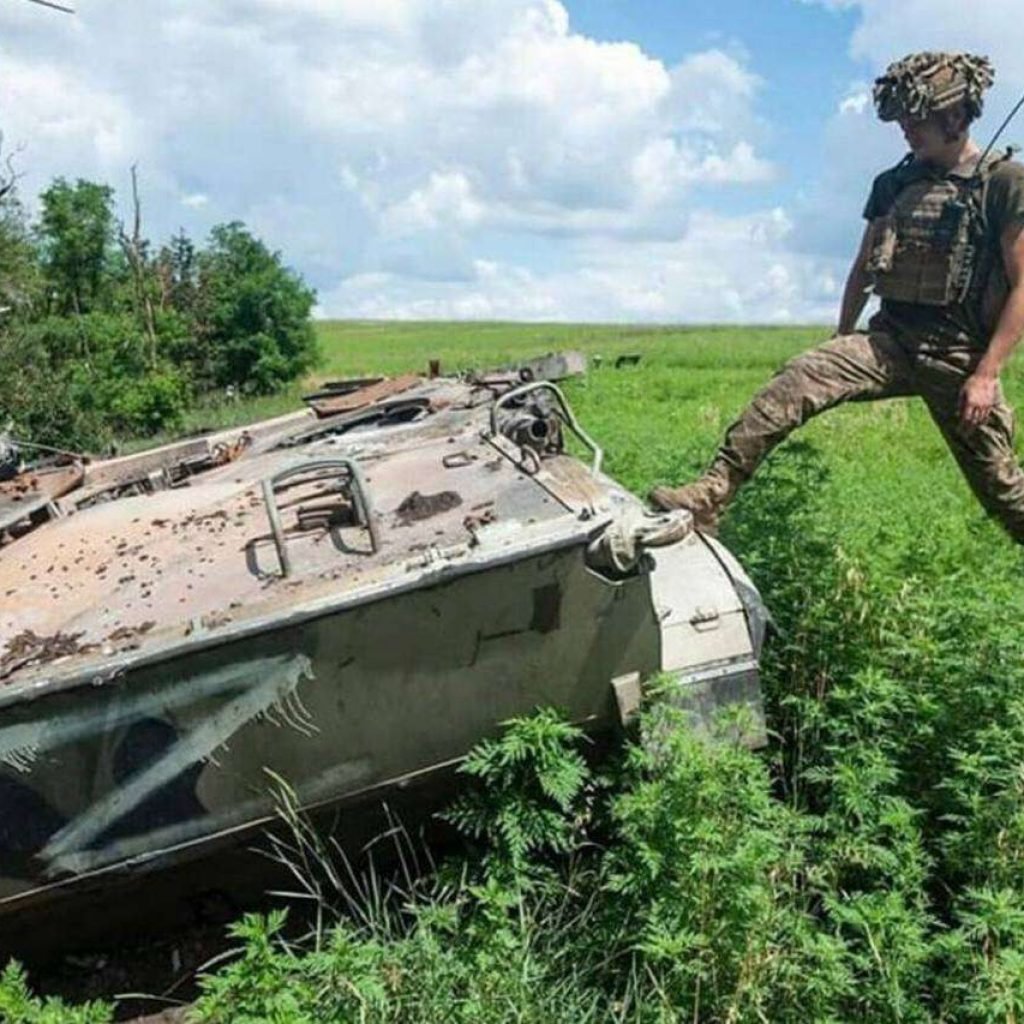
(364, 348)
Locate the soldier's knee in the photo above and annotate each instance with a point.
(816, 368)
(795, 382)
(801, 365)
(808, 381)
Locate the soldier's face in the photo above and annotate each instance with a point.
(931, 137)
(924, 137)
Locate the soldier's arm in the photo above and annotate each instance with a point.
(858, 285)
(979, 392)
(1011, 321)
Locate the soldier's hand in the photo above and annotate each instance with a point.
(977, 396)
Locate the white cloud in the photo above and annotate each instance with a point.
(447, 200)
(855, 103)
(737, 269)
(888, 31)
(48, 107)
(407, 145)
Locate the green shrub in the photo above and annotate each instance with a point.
(19, 1006)
(252, 315)
(530, 794)
(80, 381)
(101, 339)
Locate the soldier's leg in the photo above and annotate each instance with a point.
(985, 454)
(852, 367)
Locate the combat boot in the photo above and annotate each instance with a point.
(705, 498)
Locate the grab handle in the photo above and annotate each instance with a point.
(357, 490)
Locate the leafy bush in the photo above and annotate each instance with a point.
(253, 326)
(19, 275)
(102, 339)
(19, 1006)
(77, 382)
(530, 796)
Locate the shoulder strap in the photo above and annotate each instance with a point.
(974, 189)
(983, 169)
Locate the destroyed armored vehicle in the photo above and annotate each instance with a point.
(350, 596)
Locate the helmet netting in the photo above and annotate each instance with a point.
(924, 83)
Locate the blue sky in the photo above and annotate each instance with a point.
(801, 51)
(630, 160)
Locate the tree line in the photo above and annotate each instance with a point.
(104, 335)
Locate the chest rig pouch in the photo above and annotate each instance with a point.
(927, 247)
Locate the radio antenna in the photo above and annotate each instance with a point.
(53, 6)
(995, 138)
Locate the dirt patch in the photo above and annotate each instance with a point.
(130, 632)
(29, 648)
(19, 486)
(417, 507)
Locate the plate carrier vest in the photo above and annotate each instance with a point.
(933, 248)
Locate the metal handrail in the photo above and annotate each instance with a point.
(360, 501)
(564, 411)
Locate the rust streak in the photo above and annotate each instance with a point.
(362, 397)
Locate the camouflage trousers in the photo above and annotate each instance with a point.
(865, 367)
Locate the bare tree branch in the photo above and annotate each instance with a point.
(9, 178)
(134, 249)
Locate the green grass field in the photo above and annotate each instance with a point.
(351, 348)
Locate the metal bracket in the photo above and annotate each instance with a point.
(564, 412)
(628, 696)
(360, 501)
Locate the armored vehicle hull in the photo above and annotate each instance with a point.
(349, 599)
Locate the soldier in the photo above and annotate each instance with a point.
(944, 250)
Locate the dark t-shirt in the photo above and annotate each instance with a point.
(1004, 207)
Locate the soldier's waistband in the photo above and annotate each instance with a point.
(914, 338)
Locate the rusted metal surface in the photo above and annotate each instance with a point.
(161, 648)
(342, 387)
(369, 394)
(27, 648)
(554, 366)
(29, 493)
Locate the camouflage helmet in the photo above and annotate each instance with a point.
(924, 83)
